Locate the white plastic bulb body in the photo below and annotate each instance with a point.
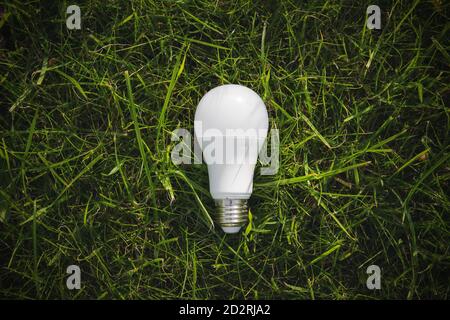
(231, 125)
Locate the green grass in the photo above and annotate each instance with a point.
(86, 176)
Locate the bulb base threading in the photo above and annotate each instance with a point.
(231, 213)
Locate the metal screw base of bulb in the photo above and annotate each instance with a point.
(231, 212)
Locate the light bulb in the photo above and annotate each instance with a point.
(231, 125)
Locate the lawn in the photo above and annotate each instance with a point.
(86, 176)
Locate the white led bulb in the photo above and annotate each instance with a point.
(231, 125)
